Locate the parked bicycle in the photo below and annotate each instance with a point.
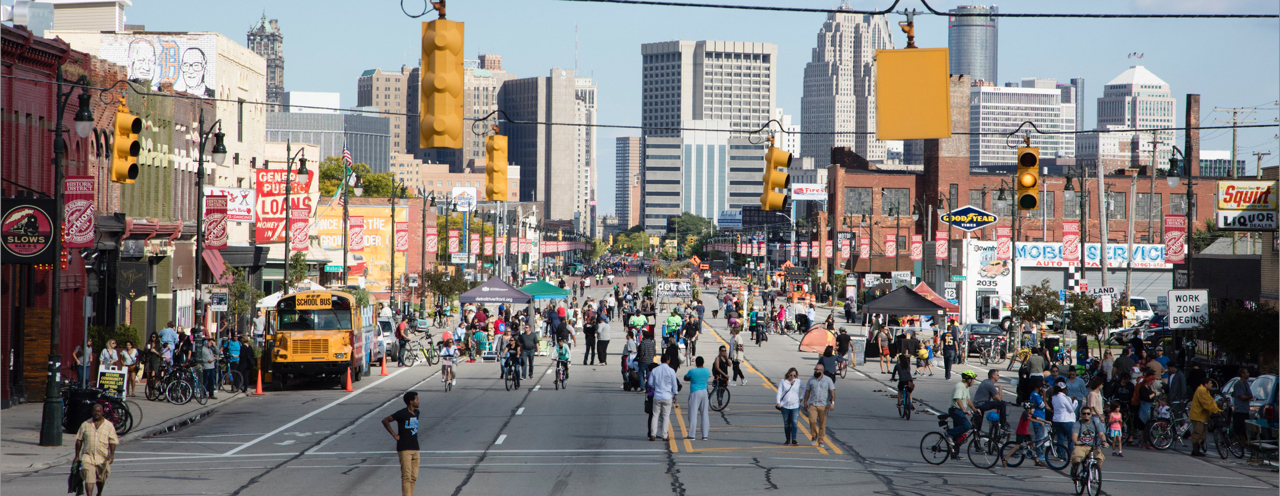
(114, 408)
(989, 352)
(1056, 456)
(1020, 357)
(228, 380)
(1163, 432)
(423, 348)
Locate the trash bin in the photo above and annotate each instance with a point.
(78, 408)
(859, 350)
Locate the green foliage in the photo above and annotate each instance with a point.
(331, 172)
(297, 270)
(667, 254)
(476, 225)
(1202, 238)
(243, 296)
(378, 185)
(1246, 334)
(363, 297)
(446, 283)
(1035, 303)
(1087, 316)
(688, 223)
(635, 242)
(122, 333)
(595, 248)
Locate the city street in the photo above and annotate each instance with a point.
(590, 439)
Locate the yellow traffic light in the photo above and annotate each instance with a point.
(496, 167)
(775, 180)
(440, 102)
(1028, 178)
(125, 146)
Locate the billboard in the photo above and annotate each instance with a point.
(803, 191)
(186, 60)
(729, 219)
(377, 240)
(968, 218)
(271, 185)
(1246, 205)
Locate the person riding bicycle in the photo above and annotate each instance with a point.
(674, 323)
(448, 353)
(961, 406)
(844, 346)
(563, 355)
(692, 329)
(1089, 435)
(990, 397)
(720, 368)
(511, 361)
(906, 383)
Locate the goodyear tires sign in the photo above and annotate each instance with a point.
(969, 218)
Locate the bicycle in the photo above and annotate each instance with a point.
(985, 449)
(1163, 432)
(562, 374)
(1020, 357)
(720, 396)
(937, 447)
(1088, 476)
(989, 352)
(114, 409)
(511, 376)
(1057, 456)
(228, 380)
(1224, 439)
(416, 349)
(842, 367)
(904, 403)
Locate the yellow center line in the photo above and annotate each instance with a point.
(675, 446)
(764, 381)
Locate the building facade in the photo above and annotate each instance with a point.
(1138, 99)
(997, 109)
(389, 92)
(626, 176)
(973, 42)
(546, 155)
(585, 173)
(438, 179)
(839, 86)
(312, 102)
(701, 172)
(368, 138)
(265, 39)
(707, 80)
(1217, 163)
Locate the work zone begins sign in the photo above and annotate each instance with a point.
(1188, 308)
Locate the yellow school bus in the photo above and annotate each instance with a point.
(319, 334)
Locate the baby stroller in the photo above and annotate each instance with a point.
(630, 374)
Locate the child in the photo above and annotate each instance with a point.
(1162, 407)
(168, 354)
(1113, 420)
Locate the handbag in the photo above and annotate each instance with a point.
(648, 405)
(784, 395)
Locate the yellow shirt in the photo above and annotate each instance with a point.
(96, 441)
(1202, 405)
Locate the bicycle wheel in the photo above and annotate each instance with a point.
(510, 381)
(983, 356)
(984, 452)
(152, 391)
(411, 353)
(1058, 457)
(844, 371)
(720, 399)
(1094, 487)
(1160, 434)
(1012, 453)
(199, 394)
(135, 413)
(1235, 447)
(1220, 441)
(556, 381)
(433, 356)
(1080, 479)
(179, 392)
(934, 448)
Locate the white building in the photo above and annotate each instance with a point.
(1138, 99)
(1001, 109)
(840, 86)
(585, 174)
(729, 81)
(312, 102)
(788, 139)
(700, 172)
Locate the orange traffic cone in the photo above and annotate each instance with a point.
(258, 391)
(384, 364)
(348, 388)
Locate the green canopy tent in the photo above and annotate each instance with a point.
(543, 290)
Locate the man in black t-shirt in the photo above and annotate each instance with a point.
(406, 436)
(843, 344)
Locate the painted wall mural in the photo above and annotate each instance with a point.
(186, 60)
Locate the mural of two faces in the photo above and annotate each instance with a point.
(185, 60)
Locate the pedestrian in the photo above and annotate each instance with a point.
(697, 378)
(1064, 414)
(737, 353)
(590, 328)
(1107, 364)
(829, 363)
(950, 339)
(406, 436)
(1177, 384)
(209, 367)
(83, 357)
(1115, 429)
(848, 311)
(168, 335)
(1036, 362)
(663, 382)
(881, 341)
(1202, 407)
(96, 443)
(129, 359)
(528, 348)
(788, 402)
(1240, 398)
(819, 400)
(603, 332)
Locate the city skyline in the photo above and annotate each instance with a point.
(320, 61)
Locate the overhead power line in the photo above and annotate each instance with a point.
(889, 10)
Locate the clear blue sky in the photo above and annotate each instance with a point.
(1231, 63)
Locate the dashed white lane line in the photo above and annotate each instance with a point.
(535, 388)
(521, 410)
(501, 439)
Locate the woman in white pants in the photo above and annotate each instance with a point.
(699, 405)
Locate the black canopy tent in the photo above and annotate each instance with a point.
(904, 301)
(495, 291)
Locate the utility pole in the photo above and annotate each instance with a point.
(1102, 221)
(1257, 171)
(1235, 121)
(1151, 195)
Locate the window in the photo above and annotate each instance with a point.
(975, 199)
(857, 201)
(240, 121)
(895, 201)
(1178, 204)
(1116, 206)
(954, 196)
(1071, 208)
(1145, 208)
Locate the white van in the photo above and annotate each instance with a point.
(1141, 309)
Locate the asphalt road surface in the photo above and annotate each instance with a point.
(590, 439)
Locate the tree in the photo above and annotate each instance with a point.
(477, 224)
(1035, 303)
(446, 283)
(595, 248)
(1246, 334)
(1202, 238)
(630, 243)
(297, 269)
(1087, 316)
(243, 297)
(688, 223)
(331, 172)
(378, 185)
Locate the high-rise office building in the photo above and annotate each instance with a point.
(627, 180)
(999, 109)
(973, 42)
(788, 134)
(1138, 99)
(265, 39)
(701, 172)
(481, 81)
(545, 154)
(840, 87)
(388, 92)
(731, 81)
(585, 173)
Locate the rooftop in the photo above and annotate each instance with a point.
(1136, 75)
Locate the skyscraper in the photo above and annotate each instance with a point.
(972, 42)
(732, 81)
(584, 188)
(627, 180)
(546, 155)
(268, 43)
(388, 92)
(840, 87)
(1000, 109)
(1138, 99)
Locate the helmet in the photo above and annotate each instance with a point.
(968, 374)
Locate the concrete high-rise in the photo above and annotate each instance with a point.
(585, 173)
(1000, 109)
(701, 172)
(481, 81)
(973, 42)
(731, 81)
(388, 92)
(265, 39)
(627, 180)
(545, 154)
(840, 87)
(1138, 99)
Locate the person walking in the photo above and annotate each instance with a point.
(819, 400)
(129, 360)
(590, 327)
(737, 353)
(1064, 414)
(950, 340)
(96, 443)
(1202, 407)
(881, 341)
(697, 378)
(209, 367)
(528, 348)
(665, 386)
(83, 356)
(788, 402)
(406, 435)
(603, 332)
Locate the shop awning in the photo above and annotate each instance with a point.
(217, 266)
(924, 290)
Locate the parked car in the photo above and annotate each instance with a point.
(977, 335)
(1141, 309)
(386, 340)
(1263, 389)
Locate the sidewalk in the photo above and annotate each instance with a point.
(20, 430)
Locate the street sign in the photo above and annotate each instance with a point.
(951, 285)
(413, 280)
(219, 299)
(949, 293)
(332, 268)
(458, 258)
(870, 280)
(674, 288)
(957, 278)
(839, 271)
(1062, 295)
(1162, 304)
(1111, 292)
(1188, 308)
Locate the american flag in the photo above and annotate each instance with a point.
(346, 155)
(346, 162)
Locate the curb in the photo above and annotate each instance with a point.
(167, 426)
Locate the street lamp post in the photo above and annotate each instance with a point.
(51, 426)
(288, 206)
(219, 156)
(397, 190)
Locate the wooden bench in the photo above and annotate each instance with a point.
(1262, 441)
